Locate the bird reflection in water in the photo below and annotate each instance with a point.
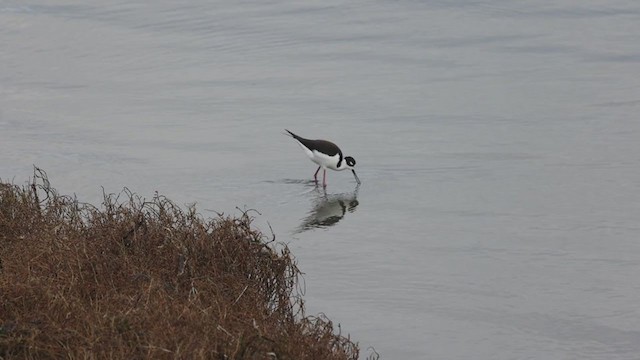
(329, 209)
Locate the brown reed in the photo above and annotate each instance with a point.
(145, 279)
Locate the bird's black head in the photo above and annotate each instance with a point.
(350, 161)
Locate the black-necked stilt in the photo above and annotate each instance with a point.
(327, 155)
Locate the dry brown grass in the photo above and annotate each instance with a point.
(139, 279)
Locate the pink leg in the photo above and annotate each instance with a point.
(324, 178)
(315, 176)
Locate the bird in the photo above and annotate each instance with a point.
(327, 155)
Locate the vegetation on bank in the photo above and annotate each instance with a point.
(145, 279)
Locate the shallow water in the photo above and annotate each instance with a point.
(497, 143)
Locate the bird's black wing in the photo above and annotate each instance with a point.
(323, 146)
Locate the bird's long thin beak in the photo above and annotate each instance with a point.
(356, 176)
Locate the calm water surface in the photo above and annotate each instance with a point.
(498, 143)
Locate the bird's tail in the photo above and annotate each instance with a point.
(291, 134)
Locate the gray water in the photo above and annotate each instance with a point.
(498, 143)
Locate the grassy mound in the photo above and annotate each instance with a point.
(140, 279)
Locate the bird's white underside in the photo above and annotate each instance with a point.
(327, 162)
